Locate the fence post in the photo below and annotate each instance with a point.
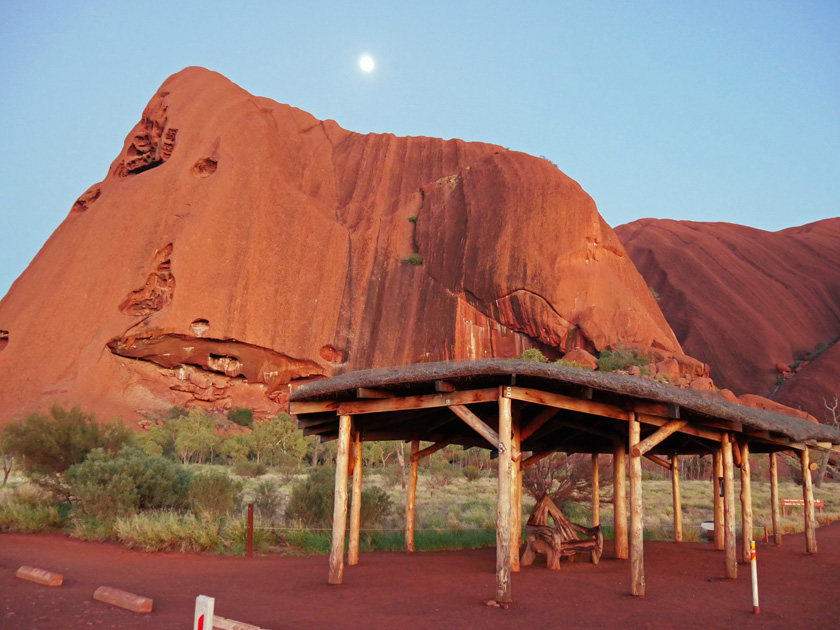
(203, 613)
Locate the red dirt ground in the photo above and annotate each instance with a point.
(423, 590)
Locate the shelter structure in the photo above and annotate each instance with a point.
(526, 411)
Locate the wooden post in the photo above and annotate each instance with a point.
(340, 506)
(503, 591)
(808, 495)
(620, 499)
(596, 492)
(356, 502)
(411, 497)
(637, 561)
(746, 502)
(675, 486)
(516, 498)
(730, 555)
(774, 500)
(718, 497)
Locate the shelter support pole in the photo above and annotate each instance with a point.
(746, 502)
(516, 497)
(808, 495)
(620, 499)
(717, 480)
(356, 500)
(730, 555)
(675, 485)
(774, 500)
(411, 496)
(637, 553)
(503, 590)
(340, 506)
(596, 492)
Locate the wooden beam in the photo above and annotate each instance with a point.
(657, 460)
(369, 392)
(596, 492)
(426, 401)
(356, 501)
(340, 504)
(479, 426)
(657, 437)
(586, 428)
(411, 496)
(717, 486)
(565, 402)
(516, 496)
(675, 487)
(620, 499)
(665, 410)
(539, 420)
(730, 555)
(637, 552)
(318, 406)
(503, 585)
(746, 503)
(429, 450)
(443, 386)
(690, 429)
(774, 500)
(808, 495)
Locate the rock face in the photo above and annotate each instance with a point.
(750, 303)
(238, 244)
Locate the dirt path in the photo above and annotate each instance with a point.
(430, 589)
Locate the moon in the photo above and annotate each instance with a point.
(366, 63)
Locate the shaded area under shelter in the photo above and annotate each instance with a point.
(526, 411)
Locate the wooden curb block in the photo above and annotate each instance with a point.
(220, 623)
(40, 576)
(129, 601)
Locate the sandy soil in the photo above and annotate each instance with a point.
(685, 589)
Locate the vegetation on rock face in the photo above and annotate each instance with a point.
(415, 260)
(621, 359)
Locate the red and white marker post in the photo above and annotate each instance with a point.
(754, 572)
(204, 613)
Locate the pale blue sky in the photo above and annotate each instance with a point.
(706, 111)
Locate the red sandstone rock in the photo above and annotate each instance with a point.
(669, 368)
(703, 383)
(744, 300)
(728, 395)
(759, 402)
(781, 368)
(578, 355)
(238, 244)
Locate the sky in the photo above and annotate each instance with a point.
(701, 111)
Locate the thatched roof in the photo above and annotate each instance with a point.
(619, 389)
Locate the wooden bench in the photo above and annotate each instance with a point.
(786, 503)
(564, 539)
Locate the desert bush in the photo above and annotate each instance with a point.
(532, 354)
(472, 473)
(242, 416)
(48, 445)
(108, 485)
(558, 475)
(393, 475)
(311, 502)
(441, 474)
(249, 469)
(29, 509)
(620, 359)
(415, 260)
(214, 493)
(267, 500)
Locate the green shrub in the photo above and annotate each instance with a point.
(414, 260)
(29, 510)
(311, 502)
(532, 354)
(472, 473)
(242, 416)
(267, 500)
(573, 364)
(108, 485)
(413, 219)
(248, 468)
(214, 494)
(48, 445)
(620, 359)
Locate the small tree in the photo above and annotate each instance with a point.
(558, 475)
(48, 445)
(832, 418)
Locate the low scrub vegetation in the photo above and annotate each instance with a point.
(166, 490)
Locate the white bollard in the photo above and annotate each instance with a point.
(754, 572)
(204, 613)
